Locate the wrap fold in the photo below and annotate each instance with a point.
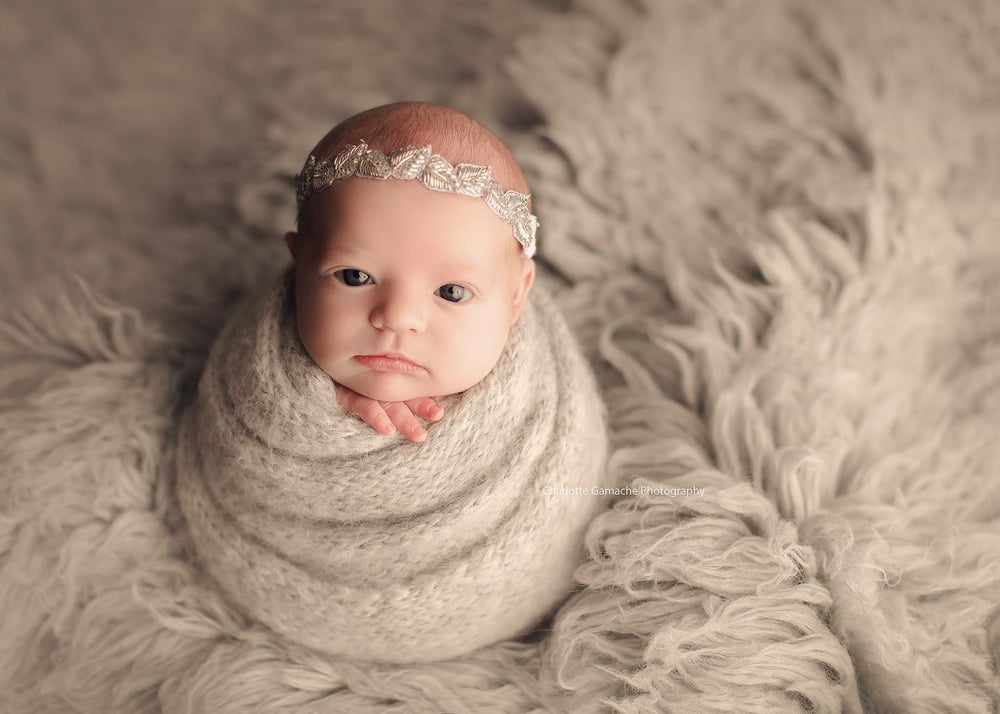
(374, 547)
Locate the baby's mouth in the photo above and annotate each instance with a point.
(388, 362)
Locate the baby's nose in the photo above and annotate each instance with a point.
(398, 312)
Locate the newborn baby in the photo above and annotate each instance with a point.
(404, 293)
(412, 283)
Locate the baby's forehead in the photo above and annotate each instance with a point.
(358, 214)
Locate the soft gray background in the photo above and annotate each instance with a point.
(129, 130)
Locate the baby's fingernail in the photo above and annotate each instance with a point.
(419, 432)
(435, 412)
(387, 428)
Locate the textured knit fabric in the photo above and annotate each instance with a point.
(355, 543)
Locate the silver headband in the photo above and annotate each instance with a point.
(433, 171)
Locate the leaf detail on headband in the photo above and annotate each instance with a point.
(374, 165)
(346, 162)
(472, 180)
(439, 175)
(322, 174)
(409, 162)
(510, 203)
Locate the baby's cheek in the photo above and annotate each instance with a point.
(475, 356)
(308, 336)
(319, 334)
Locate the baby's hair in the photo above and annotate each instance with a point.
(451, 133)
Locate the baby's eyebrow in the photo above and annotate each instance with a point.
(462, 266)
(343, 252)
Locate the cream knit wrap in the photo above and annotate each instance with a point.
(373, 547)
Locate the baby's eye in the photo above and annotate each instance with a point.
(352, 277)
(454, 293)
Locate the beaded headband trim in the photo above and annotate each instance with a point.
(432, 170)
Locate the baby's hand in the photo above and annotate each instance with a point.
(387, 417)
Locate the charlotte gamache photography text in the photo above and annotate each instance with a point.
(623, 491)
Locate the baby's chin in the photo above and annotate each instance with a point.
(387, 387)
(403, 386)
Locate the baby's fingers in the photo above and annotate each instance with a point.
(369, 410)
(426, 407)
(408, 425)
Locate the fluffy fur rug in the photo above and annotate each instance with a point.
(772, 225)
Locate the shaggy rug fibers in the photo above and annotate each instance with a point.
(773, 227)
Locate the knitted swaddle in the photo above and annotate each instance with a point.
(374, 547)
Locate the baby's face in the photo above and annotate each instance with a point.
(393, 268)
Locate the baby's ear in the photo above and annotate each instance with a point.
(291, 240)
(524, 279)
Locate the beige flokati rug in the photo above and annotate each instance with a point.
(773, 226)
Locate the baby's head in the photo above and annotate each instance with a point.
(391, 267)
